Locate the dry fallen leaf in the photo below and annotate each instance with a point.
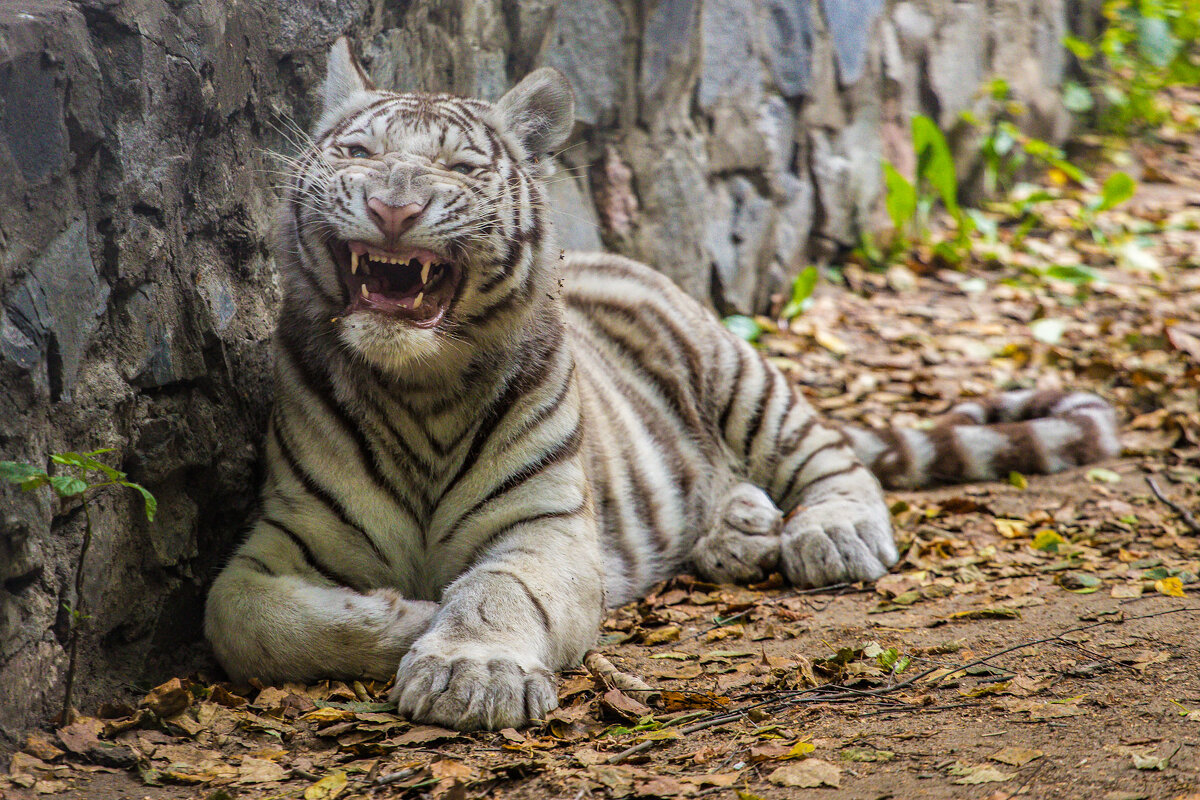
(260, 770)
(1016, 756)
(329, 787)
(970, 775)
(807, 774)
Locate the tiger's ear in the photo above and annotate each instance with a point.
(344, 77)
(539, 110)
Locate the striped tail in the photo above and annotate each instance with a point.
(1026, 431)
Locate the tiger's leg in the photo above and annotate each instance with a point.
(841, 529)
(742, 543)
(529, 606)
(270, 622)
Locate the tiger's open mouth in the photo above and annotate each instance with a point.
(414, 285)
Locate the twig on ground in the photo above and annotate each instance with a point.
(604, 671)
(1187, 518)
(393, 777)
(1027, 780)
(828, 693)
(835, 588)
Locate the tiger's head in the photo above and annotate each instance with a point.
(416, 222)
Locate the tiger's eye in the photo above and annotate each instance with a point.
(462, 169)
(357, 151)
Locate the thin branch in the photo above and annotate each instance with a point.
(830, 693)
(1187, 518)
(75, 615)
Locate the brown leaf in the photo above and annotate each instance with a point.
(670, 633)
(39, 746)
(685, 701)
(621, 706)
(25, 764)
(618, 779)
(222, 696)
(513, 735)
(423, 734)
(327, 716)
(448, 768)
(168, 699)
(82, 735)
(807, 774)
(259, 770)
(1184, 342)
(51, 787)
(664, 786)
(1016, 756)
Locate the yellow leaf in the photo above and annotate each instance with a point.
(1011, 528)
(1046, 539)
(328, 716)
(830, 342)
(1172, 587)
(328, 788)
(800, 750)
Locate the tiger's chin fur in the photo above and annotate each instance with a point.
(478, 442)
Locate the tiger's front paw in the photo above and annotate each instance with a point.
(838, 541)
(472, 689)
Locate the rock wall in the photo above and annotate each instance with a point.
(728, 142)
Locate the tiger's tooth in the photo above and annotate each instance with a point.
(425, 272)
(417, 302)
(366, 295)
(353, 263)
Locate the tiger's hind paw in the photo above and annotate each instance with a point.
(743, 544)
(838, 541)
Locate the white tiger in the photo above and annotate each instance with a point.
(478, 444)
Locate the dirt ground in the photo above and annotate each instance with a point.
(1038, 638)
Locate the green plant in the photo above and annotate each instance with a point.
(910, 203)
(802, 289)
(1006, 150)
(75, 483)
(1146, 46)
(1117, 188)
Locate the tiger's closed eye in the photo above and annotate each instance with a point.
(358, 151)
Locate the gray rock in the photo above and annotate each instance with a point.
(572, 214)
(588, 44)
(776, 124)
(956, 61)
(794, 223)
(730, 67)
(789, 32)
(739, 248)
(669, 47)
(851, 24)
(58, 307)
(31, 117)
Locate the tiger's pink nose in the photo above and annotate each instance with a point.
(393, 220)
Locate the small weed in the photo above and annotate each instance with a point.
(1006, 150)
(75, 483)
(911, 203)
(802, 290)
